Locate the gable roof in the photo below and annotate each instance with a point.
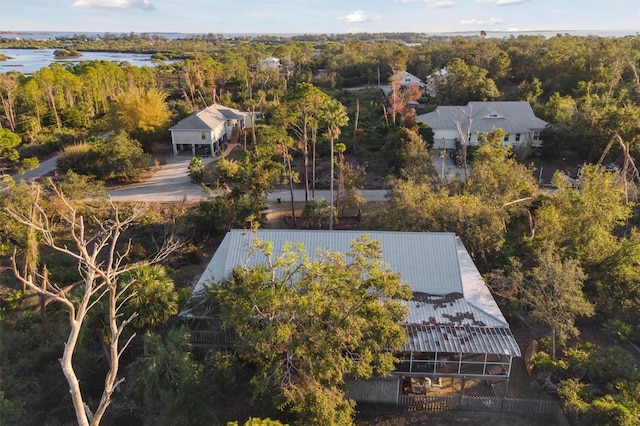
(450, 295)
(511, 116)
(413, 79)
(209, 118)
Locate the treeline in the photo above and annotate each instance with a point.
(588, 87)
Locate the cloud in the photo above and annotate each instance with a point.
(440, 3)
(502, 2)
(115, 4)
(491, 21)
(359, 16)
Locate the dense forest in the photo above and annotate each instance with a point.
(89, 277)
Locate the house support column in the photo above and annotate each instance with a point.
(506, 384)
(464, 381)
(175, 149)
(193, 150)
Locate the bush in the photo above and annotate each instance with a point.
(78, 158)
(196, 170)
(116, 158)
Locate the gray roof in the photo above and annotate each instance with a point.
(449, 293)
(511, 116)
(461, 339)
(427, 261)
(209, 118)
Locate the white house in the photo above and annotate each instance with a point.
(205, 132)
(516, 118)
(408, 79)
(269, 63)
(454, 327)
(433, 80)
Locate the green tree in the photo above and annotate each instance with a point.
(172, 385)
(496, 175)
(466, 83)
(414, 159)
(283, 145)
(553, 291)
(306, 323)
(417, 207)
(119, 158)
(335, 116)
(9, 141)
(195, 170)
(316, 213)
(583, 220)
(299, 113)
(151, 296)
(139, 113)
(529, 91)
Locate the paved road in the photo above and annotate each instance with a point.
(171, 183)
(44, 168)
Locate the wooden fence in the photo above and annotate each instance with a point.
(438, 403)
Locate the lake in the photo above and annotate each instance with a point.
(28, 61)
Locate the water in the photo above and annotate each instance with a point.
(28, 61)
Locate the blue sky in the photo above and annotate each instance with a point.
(318, 16)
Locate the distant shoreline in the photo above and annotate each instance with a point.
(44, 35)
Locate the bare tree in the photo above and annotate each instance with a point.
(465, 135)
(95, 248)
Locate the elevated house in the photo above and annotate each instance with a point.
(207, 131)
(454, 327)
(516, 118)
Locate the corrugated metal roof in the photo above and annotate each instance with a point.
(461, 339)
(209, 118)
(452, 309)
(428, 261)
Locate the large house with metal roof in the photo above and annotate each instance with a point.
(516, 118)
(454, 327)
(205, 132)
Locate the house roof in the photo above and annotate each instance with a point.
(511, 116)
(448, 291)
(209, 118)
(413, 78)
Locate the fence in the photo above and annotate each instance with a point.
(438, 403)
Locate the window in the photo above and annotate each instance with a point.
(203, 135)
(517, 137)
(536, 135)
(506, 137)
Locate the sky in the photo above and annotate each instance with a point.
(317, 16)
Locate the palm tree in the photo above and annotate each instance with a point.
(152, 297)
(335, 115)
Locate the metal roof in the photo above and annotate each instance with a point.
(209, 118)
(428, 261)
(461, 339)
(452, 309)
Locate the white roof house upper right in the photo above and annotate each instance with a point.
(516, 118)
